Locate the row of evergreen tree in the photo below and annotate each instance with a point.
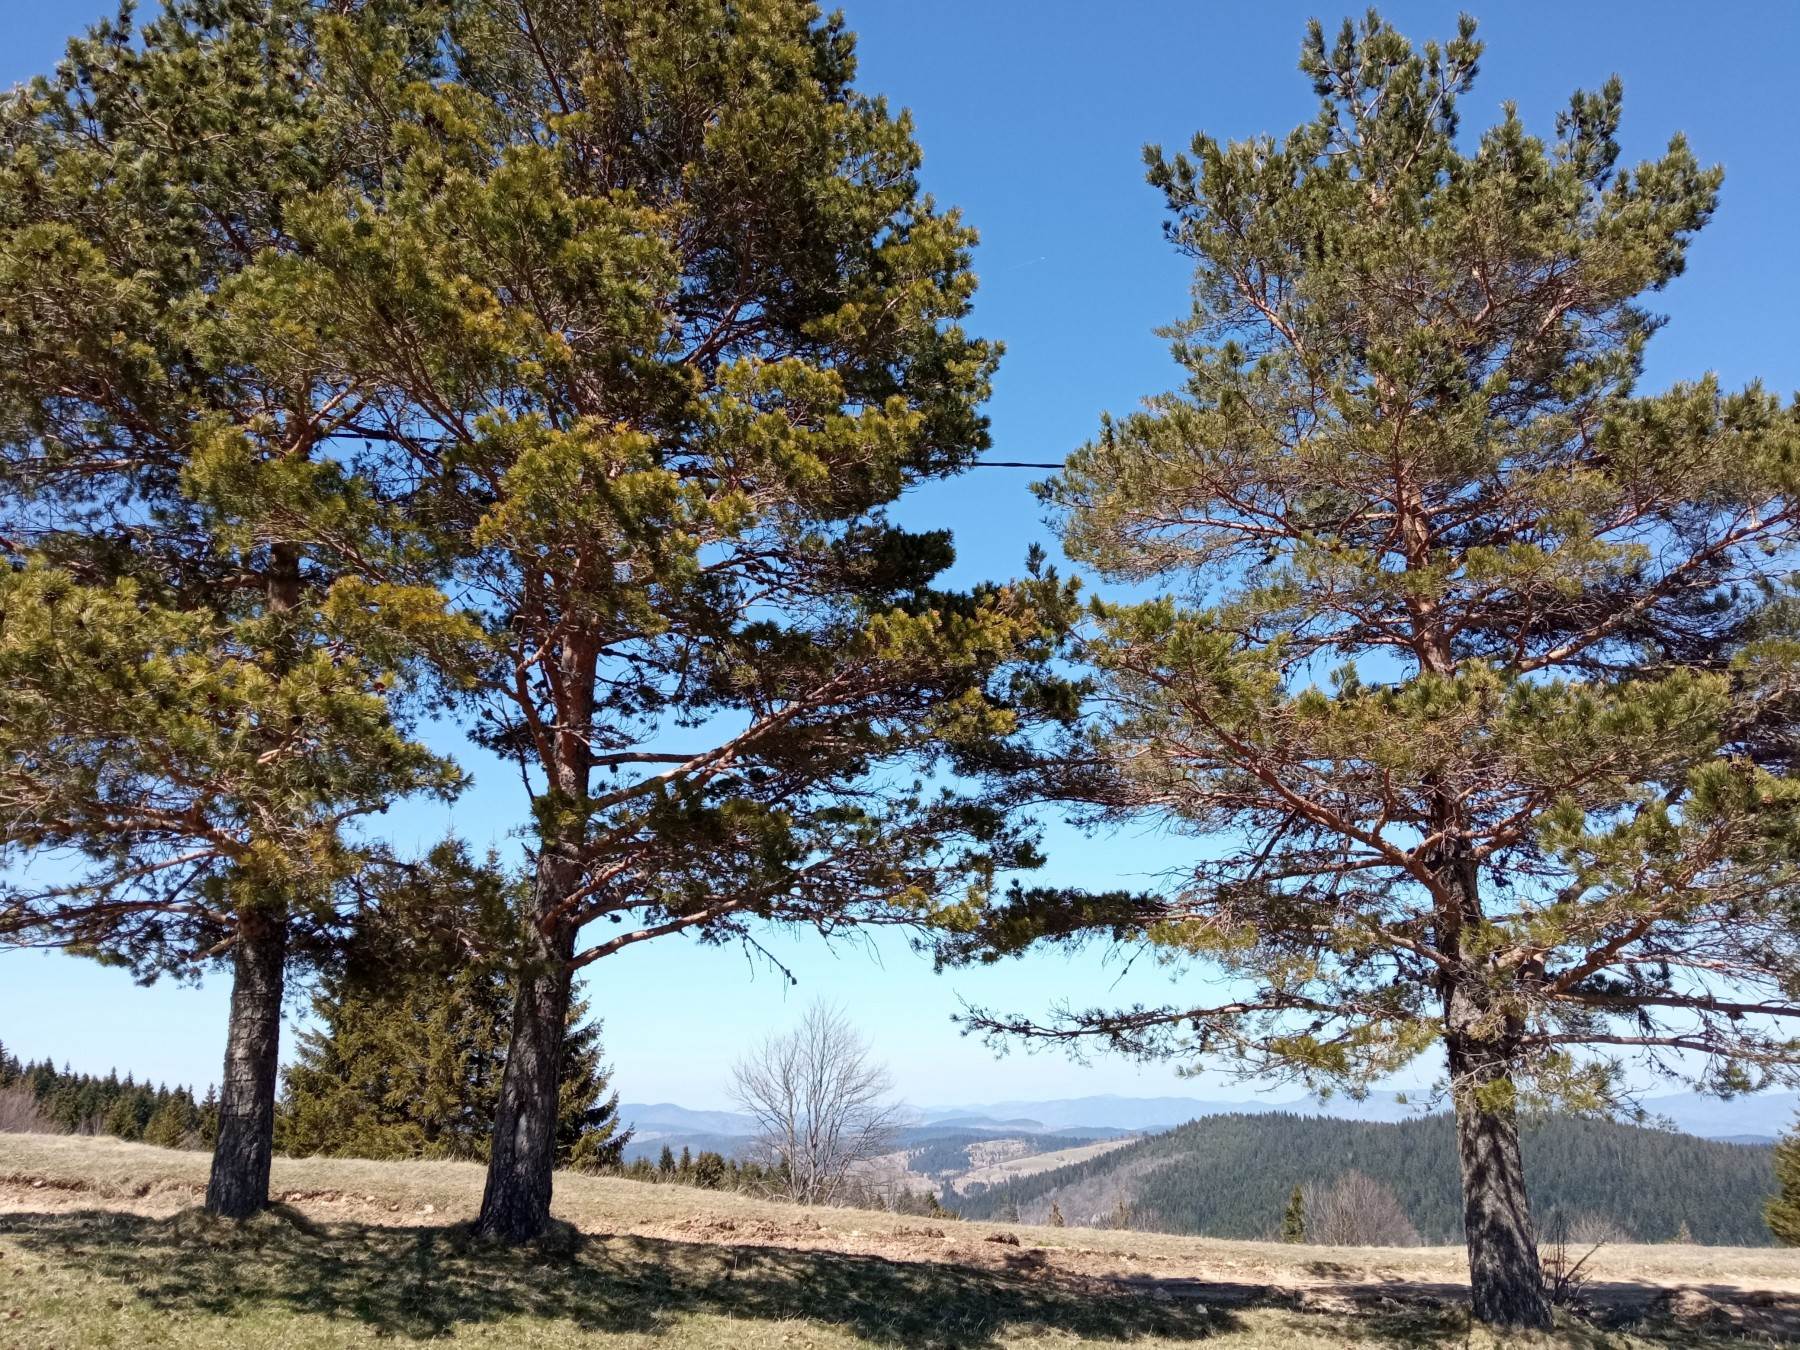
(714, 1171)
(85, 1103)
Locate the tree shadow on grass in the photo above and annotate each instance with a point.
(423, 1282)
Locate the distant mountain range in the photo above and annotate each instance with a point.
(1753, 1119)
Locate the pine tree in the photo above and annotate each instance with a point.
(664, 325)
(1472, 662)
(1293, 1218)
(199, 672)
(1783, 1209)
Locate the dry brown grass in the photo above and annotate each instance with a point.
(100, 1245)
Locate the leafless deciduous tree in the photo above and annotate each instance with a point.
(21, 1114)
(1356, 1210)
(820, 1102)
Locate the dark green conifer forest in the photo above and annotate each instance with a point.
(1233, 1176)
(39, 1096)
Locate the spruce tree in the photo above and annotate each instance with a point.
(170, 1125)
(122, 1117)
(1783, 1210)
(208, 1125)
(1293, 1218)
(588, 1134)
(710, 1171)
(1471, 663)
(410, 1044)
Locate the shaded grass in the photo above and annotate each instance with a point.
(424, 1282)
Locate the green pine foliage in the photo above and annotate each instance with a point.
(1467, 661)
(1230, 1176)
(663, 325)
(1471, 660)
(205, 672)
(198, 618)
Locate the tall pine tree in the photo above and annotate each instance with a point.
(202, 643)
(664, 324)
(1474, 666)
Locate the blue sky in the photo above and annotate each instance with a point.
(1032, 117)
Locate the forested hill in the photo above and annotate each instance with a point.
(1231, 1175)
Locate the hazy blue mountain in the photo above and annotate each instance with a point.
(668, 1118)
(1766, 1113)
(1754, 1118)
(1113, 1113)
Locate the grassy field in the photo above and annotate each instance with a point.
(100, 1245)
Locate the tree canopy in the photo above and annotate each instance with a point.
(658, 324)
(206, 644)
(1472, 665)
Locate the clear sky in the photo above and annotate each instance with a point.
(1032, 117)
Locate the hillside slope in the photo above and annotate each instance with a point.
(1230, 1176)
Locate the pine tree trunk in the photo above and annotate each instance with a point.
(1506, 1281)
(515, 1206)
(239, 1184)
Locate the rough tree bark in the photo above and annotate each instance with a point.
(239, 1184)
(515, 1203)
(1506, 1281)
